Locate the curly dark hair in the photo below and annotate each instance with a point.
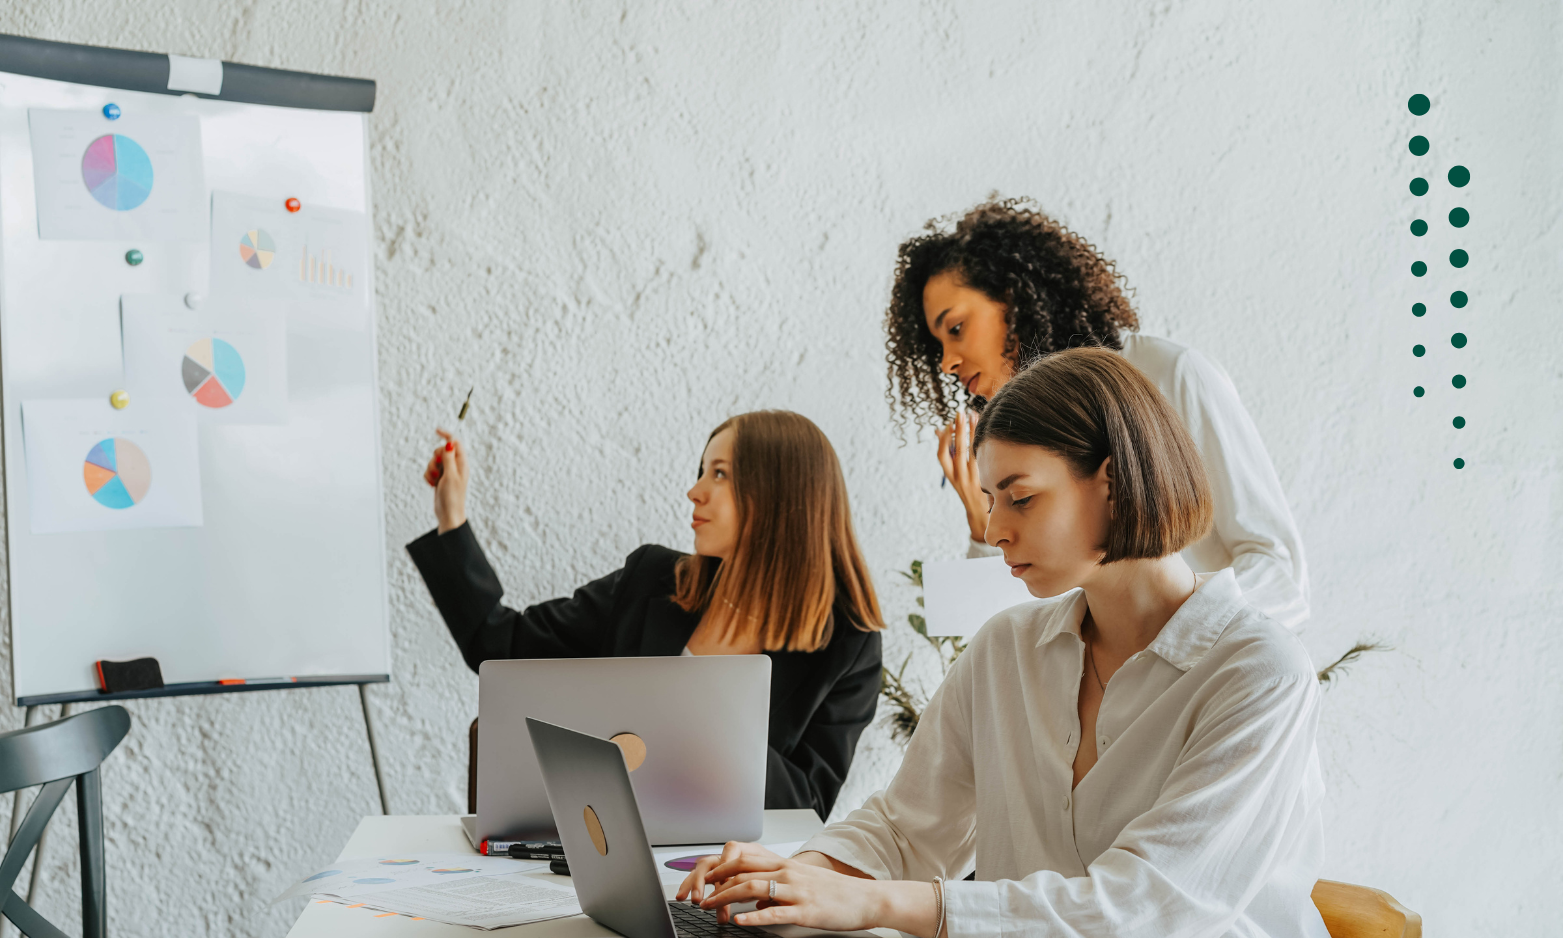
(1058, 292)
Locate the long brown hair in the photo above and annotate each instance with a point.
(796, 552)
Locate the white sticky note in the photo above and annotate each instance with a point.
(960, 595)
(203, 76)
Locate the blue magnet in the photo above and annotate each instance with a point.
(111, 111)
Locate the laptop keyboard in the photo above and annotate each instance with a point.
(691, 921)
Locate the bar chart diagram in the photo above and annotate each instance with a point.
(322, 269)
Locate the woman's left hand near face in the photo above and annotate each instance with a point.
(805, 894)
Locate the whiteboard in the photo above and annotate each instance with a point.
(286, 577)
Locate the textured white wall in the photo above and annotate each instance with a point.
(625, 222)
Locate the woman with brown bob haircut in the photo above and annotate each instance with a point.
(974, 302)
(775, 570)
(1131, 756)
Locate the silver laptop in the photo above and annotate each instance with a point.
(693, 729)
(611, 863)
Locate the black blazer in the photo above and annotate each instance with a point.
(820, 701)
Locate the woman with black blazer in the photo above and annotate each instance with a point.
(776, 570)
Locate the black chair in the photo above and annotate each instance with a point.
(54, 755)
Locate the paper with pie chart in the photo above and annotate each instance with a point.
(93, 468)
(317, 259)
(100, 180)
(224, 363)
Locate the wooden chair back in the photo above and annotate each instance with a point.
(1363, 912)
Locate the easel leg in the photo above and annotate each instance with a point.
(374, 749)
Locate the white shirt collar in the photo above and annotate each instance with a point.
(1188, 635)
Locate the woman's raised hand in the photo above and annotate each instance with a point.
(959, 466)
(447, 473)
(806, 893)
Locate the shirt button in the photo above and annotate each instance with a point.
(1103, 740)
(1066, 802)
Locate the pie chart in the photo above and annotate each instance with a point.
(117, 172)
(213, 372)
(117, 473)
(257, 249)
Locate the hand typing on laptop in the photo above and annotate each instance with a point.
(809, 889)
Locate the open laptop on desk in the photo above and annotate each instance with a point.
(611, 863)
(698, 770)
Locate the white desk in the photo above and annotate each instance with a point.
(442, 833)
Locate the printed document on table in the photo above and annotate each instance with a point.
(373, 874)
(486, 902)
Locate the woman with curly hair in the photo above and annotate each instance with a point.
(1008, 284)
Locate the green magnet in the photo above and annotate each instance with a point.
(134, 257)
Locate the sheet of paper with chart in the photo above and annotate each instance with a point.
(314, 258)
(225, 362)
(100, 180)
(461, 889)
(93, 468)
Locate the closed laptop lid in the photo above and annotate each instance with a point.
(701, 778)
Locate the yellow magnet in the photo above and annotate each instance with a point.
(120, 399)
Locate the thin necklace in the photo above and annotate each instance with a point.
(1091, 657)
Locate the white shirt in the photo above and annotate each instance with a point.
(1254, 533)
(1201, 818)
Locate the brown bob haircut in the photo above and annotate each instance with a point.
(796, 552)
(1089, 404)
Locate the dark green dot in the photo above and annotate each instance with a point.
(1459, 176)
(1459, 217)
(1459, 423)
(133, 257)
(1459, 464)
(1419, 227)
(1418, 269)
(1418, 145)
(1418, 351)
(1458, 381)
(1419, 186)
(1459, 258)
(1458, 299)
(1419, 104)
(1457, 340)
(1417, 309)
(1418, 391)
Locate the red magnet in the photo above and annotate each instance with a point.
(293, 205)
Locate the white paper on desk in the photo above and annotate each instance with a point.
(960, 595)
(93, 468)
(368, 875)
(486, 902)
(226, 363)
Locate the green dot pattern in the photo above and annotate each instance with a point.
(1419, 104)
(1417, 309)
(1418, 145)
(1459, 176)
(1418, 350)
(1419, 186)
(1418, 391)
(1459, 217)
(1458, 381)
(1457, 340)
(1419, 227)
(1418, 269)
(1459, 464)
(1458, 258)
(1458, 299)
(1459, 423)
